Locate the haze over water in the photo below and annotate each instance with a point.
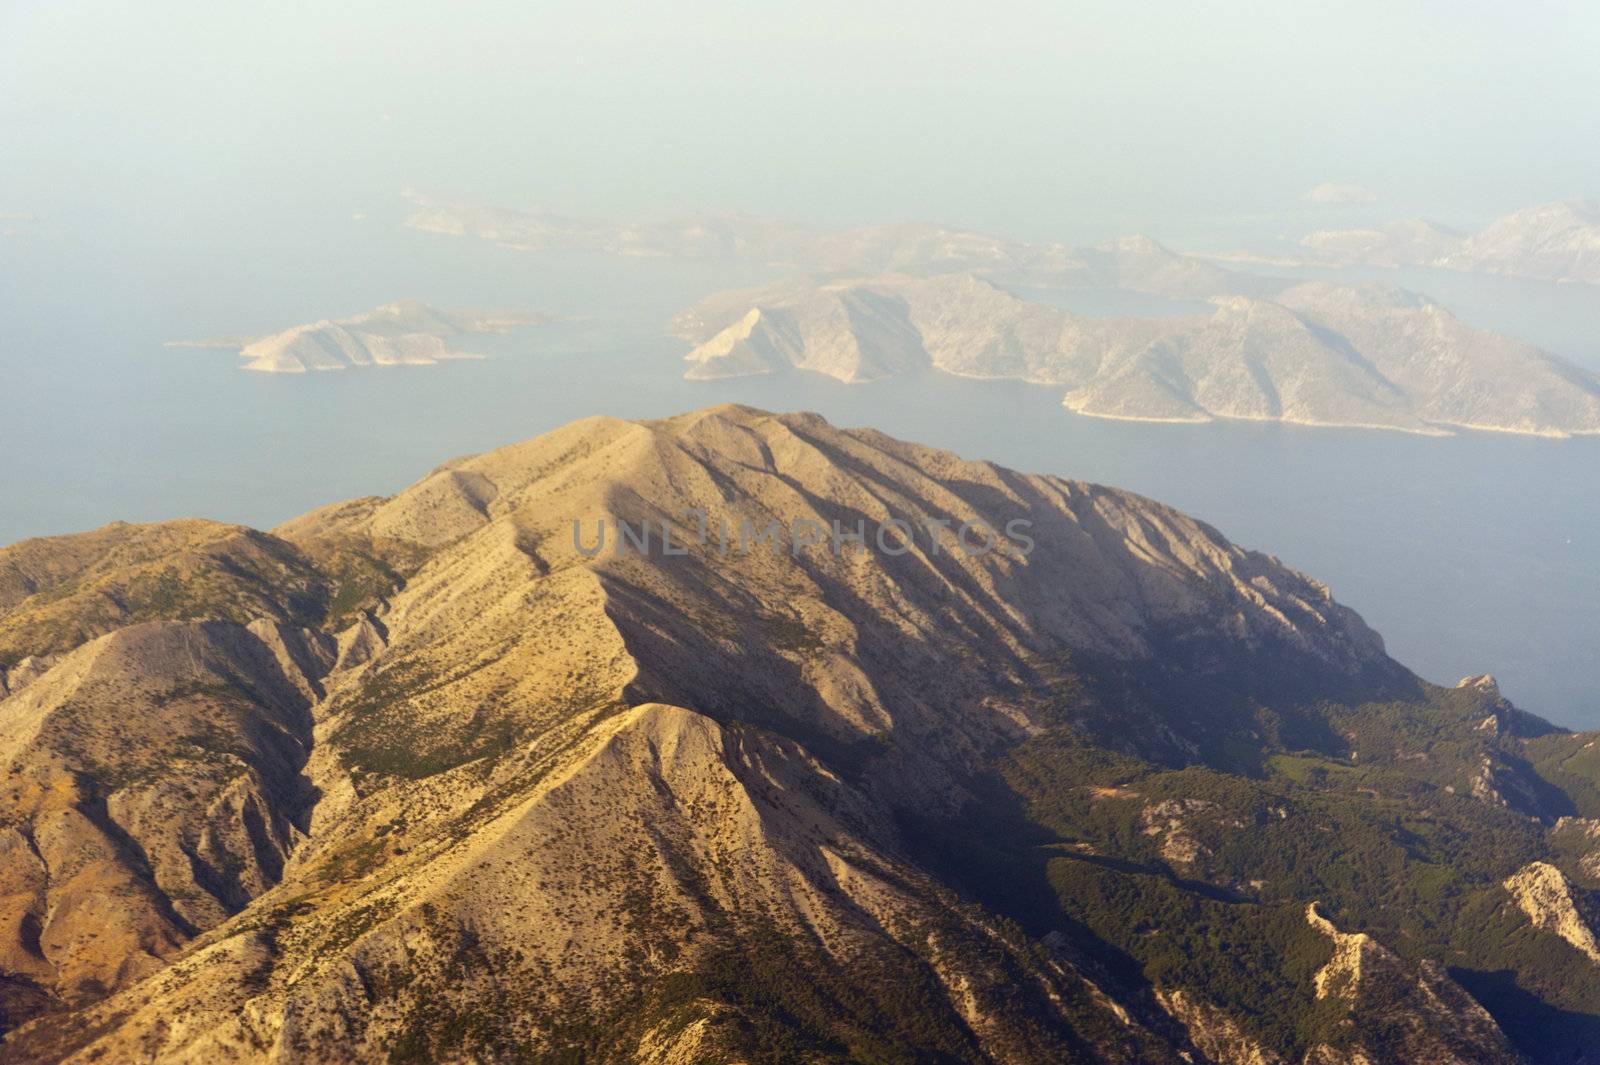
(1470, 554)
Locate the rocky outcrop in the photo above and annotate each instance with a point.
(1396, 1011)
(1543, 894)
(1353, 952)
(1168, 822)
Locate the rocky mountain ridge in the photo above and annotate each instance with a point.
(475, 794)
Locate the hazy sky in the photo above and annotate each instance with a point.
(1051, 119)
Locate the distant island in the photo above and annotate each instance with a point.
(881, 300)
(403, 333)
(1557, 242)
(1368, 356)
(1136, 263)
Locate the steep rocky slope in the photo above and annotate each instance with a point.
(153, 792)
(1066, 798)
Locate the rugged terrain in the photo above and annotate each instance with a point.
(1314, 354)
(428, 778)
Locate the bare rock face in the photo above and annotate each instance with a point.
(1397, 1011)
(1542, 892)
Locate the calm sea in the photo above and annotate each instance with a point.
(1477, 553)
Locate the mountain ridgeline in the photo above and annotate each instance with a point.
(418, 779)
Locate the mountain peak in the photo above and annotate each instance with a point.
(676, 725)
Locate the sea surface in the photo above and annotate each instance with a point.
(1473, 553)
